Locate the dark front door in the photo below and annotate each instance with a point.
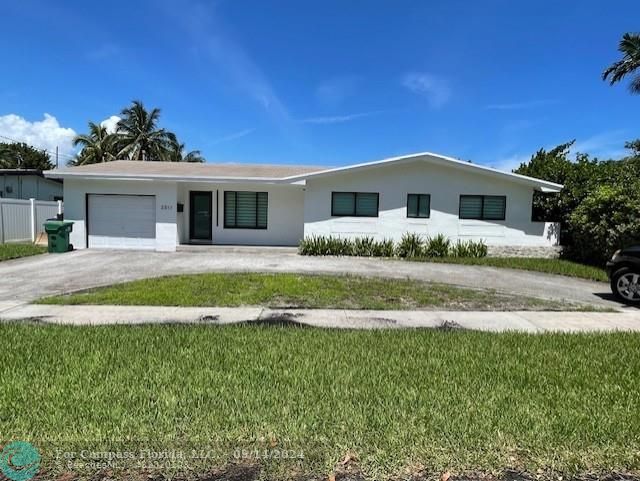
(200, 215)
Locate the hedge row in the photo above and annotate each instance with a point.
(411, 245)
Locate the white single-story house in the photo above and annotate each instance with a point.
(28, 184)
(160, 205)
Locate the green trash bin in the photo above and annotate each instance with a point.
(58, 235)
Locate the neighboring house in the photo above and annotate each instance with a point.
(159, 205)
(28, 184)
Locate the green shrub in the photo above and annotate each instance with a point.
(437, 246)
(478, 249)
(468, 248)
(364, 247)
(385, 248)
(607, 219)
(411, 245)
(340, 247)
(460, 249)
(325, 246)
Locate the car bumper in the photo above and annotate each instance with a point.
(611, 267)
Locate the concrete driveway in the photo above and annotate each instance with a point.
(27, 279)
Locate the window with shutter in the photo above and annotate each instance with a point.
(354, 204)
(419, 206)
(494, 207)
(245, 210)
(483, 207)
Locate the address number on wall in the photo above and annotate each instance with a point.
(166, 207)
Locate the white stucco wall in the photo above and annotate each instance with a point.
(29, 187)
(445, 184)
(165, 203)
(285, 214)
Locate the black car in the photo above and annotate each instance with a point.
(624, 273)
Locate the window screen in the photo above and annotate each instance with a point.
(356, 204)
(483, 207)
(494, 207)
(418, 205)
(245, 210)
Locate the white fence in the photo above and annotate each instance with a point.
(22, 220)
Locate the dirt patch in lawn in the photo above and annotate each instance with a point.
(343, 472)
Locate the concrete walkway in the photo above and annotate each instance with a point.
(25, 280)
(522, 321)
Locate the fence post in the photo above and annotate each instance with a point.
(59, 207)
(1, 223)
(32, 204)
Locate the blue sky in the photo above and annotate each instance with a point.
(327, 82)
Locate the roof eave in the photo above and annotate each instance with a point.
(539, 184)
(52, 174)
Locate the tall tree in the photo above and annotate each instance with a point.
(178, 153)
(634, 147)
(97, 146)
(630, 63)
(23, 156)
(553, 165)
(139, 136)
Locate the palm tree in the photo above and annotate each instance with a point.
(178, 154)
(139, 137)
(97, 146)
(630, 63)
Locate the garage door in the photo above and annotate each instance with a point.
(122, 221)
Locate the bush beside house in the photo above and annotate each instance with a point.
(410, 246)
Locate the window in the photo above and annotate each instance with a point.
(419, 206)
(355, 204)
(483, 207)
(245, 210)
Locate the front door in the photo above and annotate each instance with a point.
(200, 224)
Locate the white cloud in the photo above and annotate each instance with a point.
(214, 40)
(434, 88)
(507, 164)
(111, 123)
(521, 105)
(605, 145)
(42, 134)
(232, 136)
(334, 91)
(338, 118)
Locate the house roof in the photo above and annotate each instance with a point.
(430, 157)
(27, 172)
(287, 174)
(184, 170)
(21, 172)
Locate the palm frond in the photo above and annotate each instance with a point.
(630, 48)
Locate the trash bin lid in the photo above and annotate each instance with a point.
(57, 223)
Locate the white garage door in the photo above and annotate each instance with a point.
(122, 221)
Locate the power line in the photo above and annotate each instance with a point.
(36, 147)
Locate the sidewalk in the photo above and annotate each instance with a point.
(523, 321)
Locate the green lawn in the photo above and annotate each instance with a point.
(549, 266)
(13, 251)
(301, 291)
(464, 401)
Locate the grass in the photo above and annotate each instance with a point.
(301, 291)
(549, 266)
(14, 251)
(457, 400)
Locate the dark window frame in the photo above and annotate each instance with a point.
(482, 199)
(226, 223)
(418, 216)
(355, 204)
